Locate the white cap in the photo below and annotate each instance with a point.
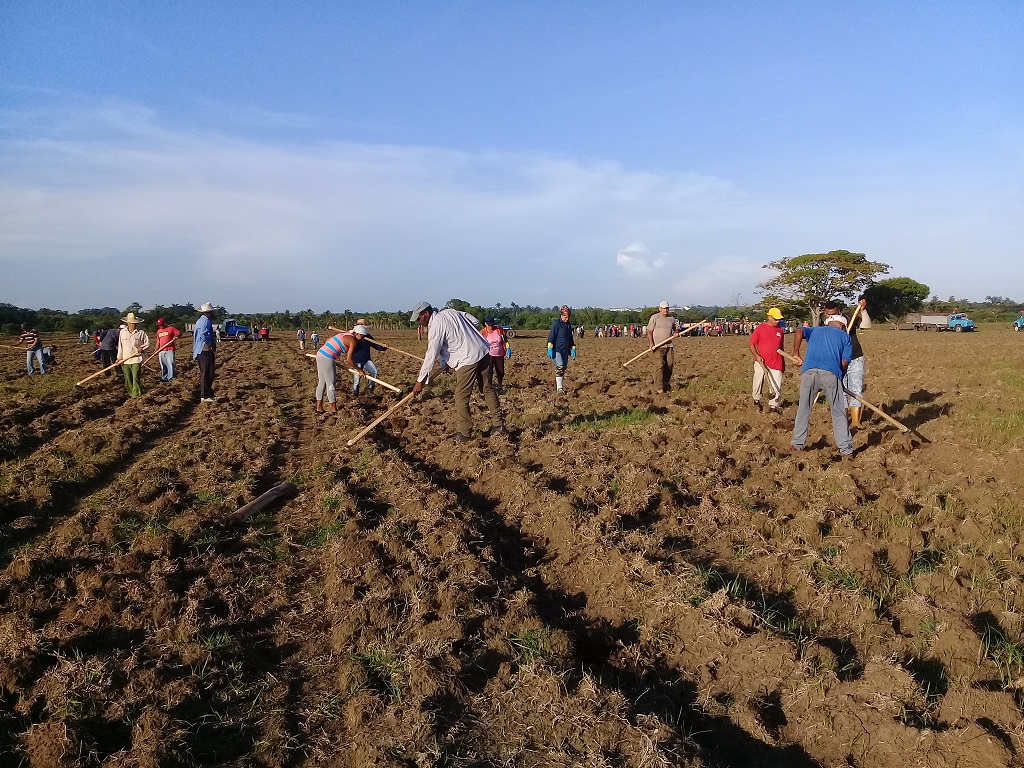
(836, 319)
(362, 330)
(663, 305)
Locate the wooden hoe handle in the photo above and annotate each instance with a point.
(260, 502)
(381, 418)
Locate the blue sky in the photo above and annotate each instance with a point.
(272, 155)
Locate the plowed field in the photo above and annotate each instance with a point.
(626, 579)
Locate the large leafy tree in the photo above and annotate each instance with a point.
(895, 298)
(808, 281)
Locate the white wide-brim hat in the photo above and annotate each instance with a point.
(207, 307)
(130, 318)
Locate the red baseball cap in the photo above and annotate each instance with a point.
(160, 321)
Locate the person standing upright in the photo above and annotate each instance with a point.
(499, 349)
(301, 336)
(131, 343)
(855, 371)
(765, 343)
(828, 354)
(204, 352)
(166, 335)
(660, 328)
(33, 348)
(561, 345)
(453, 338)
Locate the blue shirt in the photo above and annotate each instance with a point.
(827, 346)
(203, 336)
(560, 336)
(361, 351)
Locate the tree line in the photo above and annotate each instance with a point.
(526, 317)
(801, 287)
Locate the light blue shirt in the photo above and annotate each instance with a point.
(203, 336)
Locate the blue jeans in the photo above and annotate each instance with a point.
(561, 361)
(167, 365)
(811, 382)
(371, 369)
(38, 353)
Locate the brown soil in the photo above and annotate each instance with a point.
(628, 579)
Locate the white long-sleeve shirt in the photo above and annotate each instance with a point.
(131, 345)
(453, 337)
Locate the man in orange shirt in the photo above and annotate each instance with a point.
(166, 334)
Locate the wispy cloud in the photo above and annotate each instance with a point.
(332, 225)
(636, 259)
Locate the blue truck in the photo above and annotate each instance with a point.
(958, 322)
(229, 329)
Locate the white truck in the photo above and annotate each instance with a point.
(958, 322)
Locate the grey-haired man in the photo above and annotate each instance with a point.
(453, 338)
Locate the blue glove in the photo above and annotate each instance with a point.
(551, 350)
(573, 353)
(508, 353)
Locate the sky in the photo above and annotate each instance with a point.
(368, 155)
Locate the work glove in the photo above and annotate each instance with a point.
(573, 353)
(551, 350)
(508, 353)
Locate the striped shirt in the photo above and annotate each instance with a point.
(334, 347)
(31, 338)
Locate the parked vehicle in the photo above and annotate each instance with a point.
(232, 330)
(934, 322)
(509, 331)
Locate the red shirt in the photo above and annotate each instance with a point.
(164, 334)
(768, 339)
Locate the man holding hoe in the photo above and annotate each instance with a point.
(765, 343)
(829, 352)
(165, 336)
(660, 328)
(452, 337)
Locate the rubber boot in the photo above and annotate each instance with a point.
(319, 406)
(855, 417)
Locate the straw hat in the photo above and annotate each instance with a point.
(131, 319)
(207, 307)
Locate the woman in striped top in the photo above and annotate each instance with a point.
(326, 359)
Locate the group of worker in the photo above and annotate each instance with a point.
(833, 363)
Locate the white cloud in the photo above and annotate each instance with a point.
(635, 259)
(333, 225)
